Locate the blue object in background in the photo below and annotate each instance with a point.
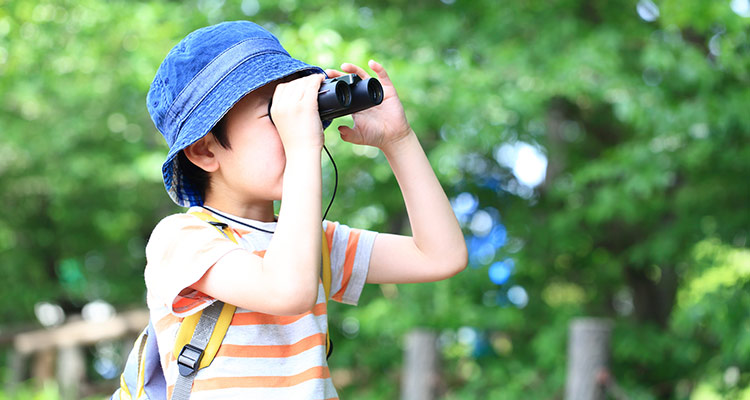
(500, 271)
(498, 236)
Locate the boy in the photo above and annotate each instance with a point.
(210, 99)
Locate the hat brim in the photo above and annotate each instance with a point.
(241, 81)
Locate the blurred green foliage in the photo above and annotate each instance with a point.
(640, 109)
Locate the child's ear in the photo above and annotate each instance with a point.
(201, 154)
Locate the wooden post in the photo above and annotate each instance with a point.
(588, 358)
(43, 366)
(421, 366)
(71, 371)
(17, 364)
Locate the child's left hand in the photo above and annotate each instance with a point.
(379, 126)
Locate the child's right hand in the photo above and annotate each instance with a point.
(294, 111)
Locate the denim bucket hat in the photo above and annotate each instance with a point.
(200, 80)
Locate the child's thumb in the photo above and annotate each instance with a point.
(346, 133)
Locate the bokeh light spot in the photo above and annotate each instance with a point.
(500, 271)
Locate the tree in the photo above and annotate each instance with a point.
(637, 109)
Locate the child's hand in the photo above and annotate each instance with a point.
(379, 126)
(295, 113)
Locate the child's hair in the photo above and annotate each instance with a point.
(194, 174)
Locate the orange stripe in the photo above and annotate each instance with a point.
(259, 253)
(256, 318)
(188, 299)
(167, 359)
(240, 232)
(261, 381)
(166, 322)
(330, 227)
(272, 351)
(181, 302)
(351, 249)
(189, 307)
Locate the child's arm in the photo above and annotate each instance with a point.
(437, 249)
(285, 280)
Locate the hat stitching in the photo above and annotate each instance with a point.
(209, 64)
(216, 83)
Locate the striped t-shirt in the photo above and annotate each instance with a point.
(262, 356)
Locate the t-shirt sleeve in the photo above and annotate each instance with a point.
(181, 249)
(350, 260)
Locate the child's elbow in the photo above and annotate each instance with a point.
(297, 300)
(459, 261)
(453, 263)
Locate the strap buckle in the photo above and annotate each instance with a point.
(219, 225)
(189, 359)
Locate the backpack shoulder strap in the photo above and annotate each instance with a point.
(131, 379)
(220, 226)
(189, 324)
(325, 266)
(191, 355)
(200, 335)
(325, 272)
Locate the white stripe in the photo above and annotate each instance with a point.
(360, 267)
(241, 367)
(314, 389)
(338, 255)
(268, 335)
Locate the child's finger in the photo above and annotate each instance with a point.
(332, 73)
(351, 68)
(346, 133)
(379, 70)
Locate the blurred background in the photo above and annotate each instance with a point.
(596, 153)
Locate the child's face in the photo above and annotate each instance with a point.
(253, 167)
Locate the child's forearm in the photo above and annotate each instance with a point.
(435, 230)
(285, 280)
(293, 256)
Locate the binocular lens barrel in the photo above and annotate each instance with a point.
(375, 90)
(365, 94)
(358, 95)
(334, 95)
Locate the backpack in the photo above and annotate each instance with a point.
(198, 340)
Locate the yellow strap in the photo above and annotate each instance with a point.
(124, 391)
(187, 328)
(210, 218)
(141, 385)
(325, 267)
(141, 360)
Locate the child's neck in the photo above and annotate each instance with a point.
(262, 211)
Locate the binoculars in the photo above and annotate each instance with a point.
(346, 95)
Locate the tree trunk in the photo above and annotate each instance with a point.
(588, 358)
(421, 374)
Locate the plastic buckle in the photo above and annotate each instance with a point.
(219, 225)
(189, 359)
